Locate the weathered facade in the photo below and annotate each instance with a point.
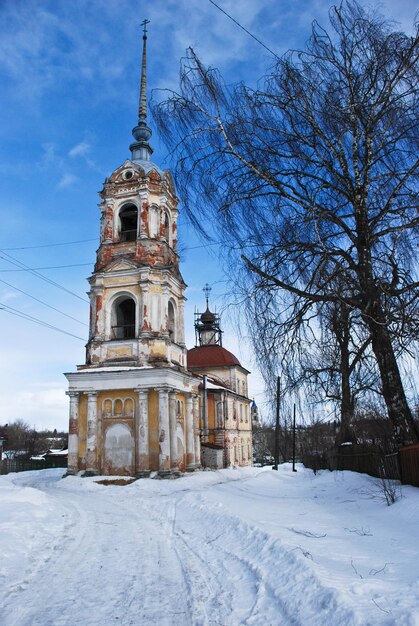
(226, 418)
(135, 407)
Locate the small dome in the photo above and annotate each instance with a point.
(208, 317)
(141, 132)
(211, 356)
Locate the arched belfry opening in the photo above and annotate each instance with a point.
(172, 321)
(128, 218)
(166, 227)
(123, 318)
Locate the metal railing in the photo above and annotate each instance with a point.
(128, 235)
(123, 331)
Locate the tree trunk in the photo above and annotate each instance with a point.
(341, 328)
(406, 431)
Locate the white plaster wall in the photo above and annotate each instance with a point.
(119, 448)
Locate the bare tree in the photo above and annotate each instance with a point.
(314, 177)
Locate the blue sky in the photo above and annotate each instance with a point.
(69, 74)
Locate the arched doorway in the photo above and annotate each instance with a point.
(119, 451)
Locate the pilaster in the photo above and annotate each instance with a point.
(195, 405)
(91, 442)
(143, 456)
(190, 443)
(73, 435)
(164, 432)
(174, 460)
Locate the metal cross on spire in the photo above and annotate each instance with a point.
(144, 24)
(207, 289)
(141, 149)
(142, 112)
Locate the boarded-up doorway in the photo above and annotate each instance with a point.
(119, 451)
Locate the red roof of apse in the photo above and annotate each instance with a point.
(211, 356)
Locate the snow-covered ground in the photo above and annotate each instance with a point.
(233, 547)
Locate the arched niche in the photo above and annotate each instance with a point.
(171, 320)
(119, 450)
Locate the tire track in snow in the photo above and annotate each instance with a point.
(158, 554)
(89, 564)
(200, 585)
(249, 594)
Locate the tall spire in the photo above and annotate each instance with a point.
(141, 149)
(142, 111)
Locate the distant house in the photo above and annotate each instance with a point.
(3, 440)
(53, 457)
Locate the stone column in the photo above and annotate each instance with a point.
(190, 444)
(91, 443)
(143, 458)
(174, 461)
(164, 432)
(180, 321)
(195, 401)
(73, 435)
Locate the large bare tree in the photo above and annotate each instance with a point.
(314, 177)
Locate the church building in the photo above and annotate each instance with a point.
(226, 433)
(142, 402)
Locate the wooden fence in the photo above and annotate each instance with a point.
(7, 466)
(402, 465)
(409, 465)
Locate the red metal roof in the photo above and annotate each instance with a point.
(211, 356)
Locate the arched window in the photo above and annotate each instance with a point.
(128, 407)
(117, 407)
(123, 319)
(128, 217)
(165, 229)
(171, 322)
(107, 408)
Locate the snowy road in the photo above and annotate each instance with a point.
(207, 549)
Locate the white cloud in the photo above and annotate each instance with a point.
(67, 180)
(47, 406)
(9, 296)
(80, 150)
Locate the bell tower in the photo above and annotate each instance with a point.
(136, 290)
(134, 406)
(207, 325)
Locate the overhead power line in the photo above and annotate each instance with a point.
(42, 302)
(35, 320)
(51, 245)
(14, 261)
(47, 267)
(245, 29)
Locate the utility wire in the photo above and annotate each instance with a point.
(58, 267)
(35, 320)
(14, 261)
(42, 302)
(47, 267)
(245, 29)
(69, 243)
(51, 245)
